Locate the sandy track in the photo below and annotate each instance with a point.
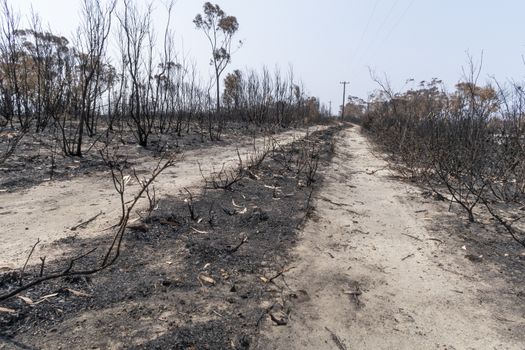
(371, 276)
(49, 210)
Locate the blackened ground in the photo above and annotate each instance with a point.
(38, 158)
(179, 283)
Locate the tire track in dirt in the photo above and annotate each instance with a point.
(49, 210)
(376, 278)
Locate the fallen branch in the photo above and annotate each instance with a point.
(341, 205)
(280, 273)
(6, 310)
(334, 203)
(198, 231)
(408, 256)
(78, 293)
(234, 249)
(377, 170)
(414, 237)
(338, 342)
(352, 292)
(85, 223)
(355, 294)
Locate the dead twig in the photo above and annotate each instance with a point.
(114, 249)
(198, 231)
(236, 248)
(355, 293)
(352, 292)
(191, 206)
(6, 310)
(85, 223)
(414, 237)
(43, 260)
(308, 200)
(377, 170)
(334, 203)
(338, 342)
(27, 260)
(279, 274)
(74, 260)
(264, 313)
(408, 256)
(508, 226)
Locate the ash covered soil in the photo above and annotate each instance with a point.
(186, 283)
(39, 158)
(51, 210)
(358, 258)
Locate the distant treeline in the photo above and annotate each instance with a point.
(74, 88)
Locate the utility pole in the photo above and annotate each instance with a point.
(344, 98)
(330, 109)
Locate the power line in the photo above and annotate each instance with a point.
(377, 34)
(392, 29)
(359, 45)
(399, 20)
(387, 17)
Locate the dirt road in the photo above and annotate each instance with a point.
(48, 211)
(371, 274)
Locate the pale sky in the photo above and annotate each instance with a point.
(333, 40)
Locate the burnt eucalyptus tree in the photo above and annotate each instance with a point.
(92, 38)
(136, 49)
(12, 70)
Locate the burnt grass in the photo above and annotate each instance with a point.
(179, 283)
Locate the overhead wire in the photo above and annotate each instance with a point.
(390, 12)
(375, 37)
(394, 27)
(365, 31)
